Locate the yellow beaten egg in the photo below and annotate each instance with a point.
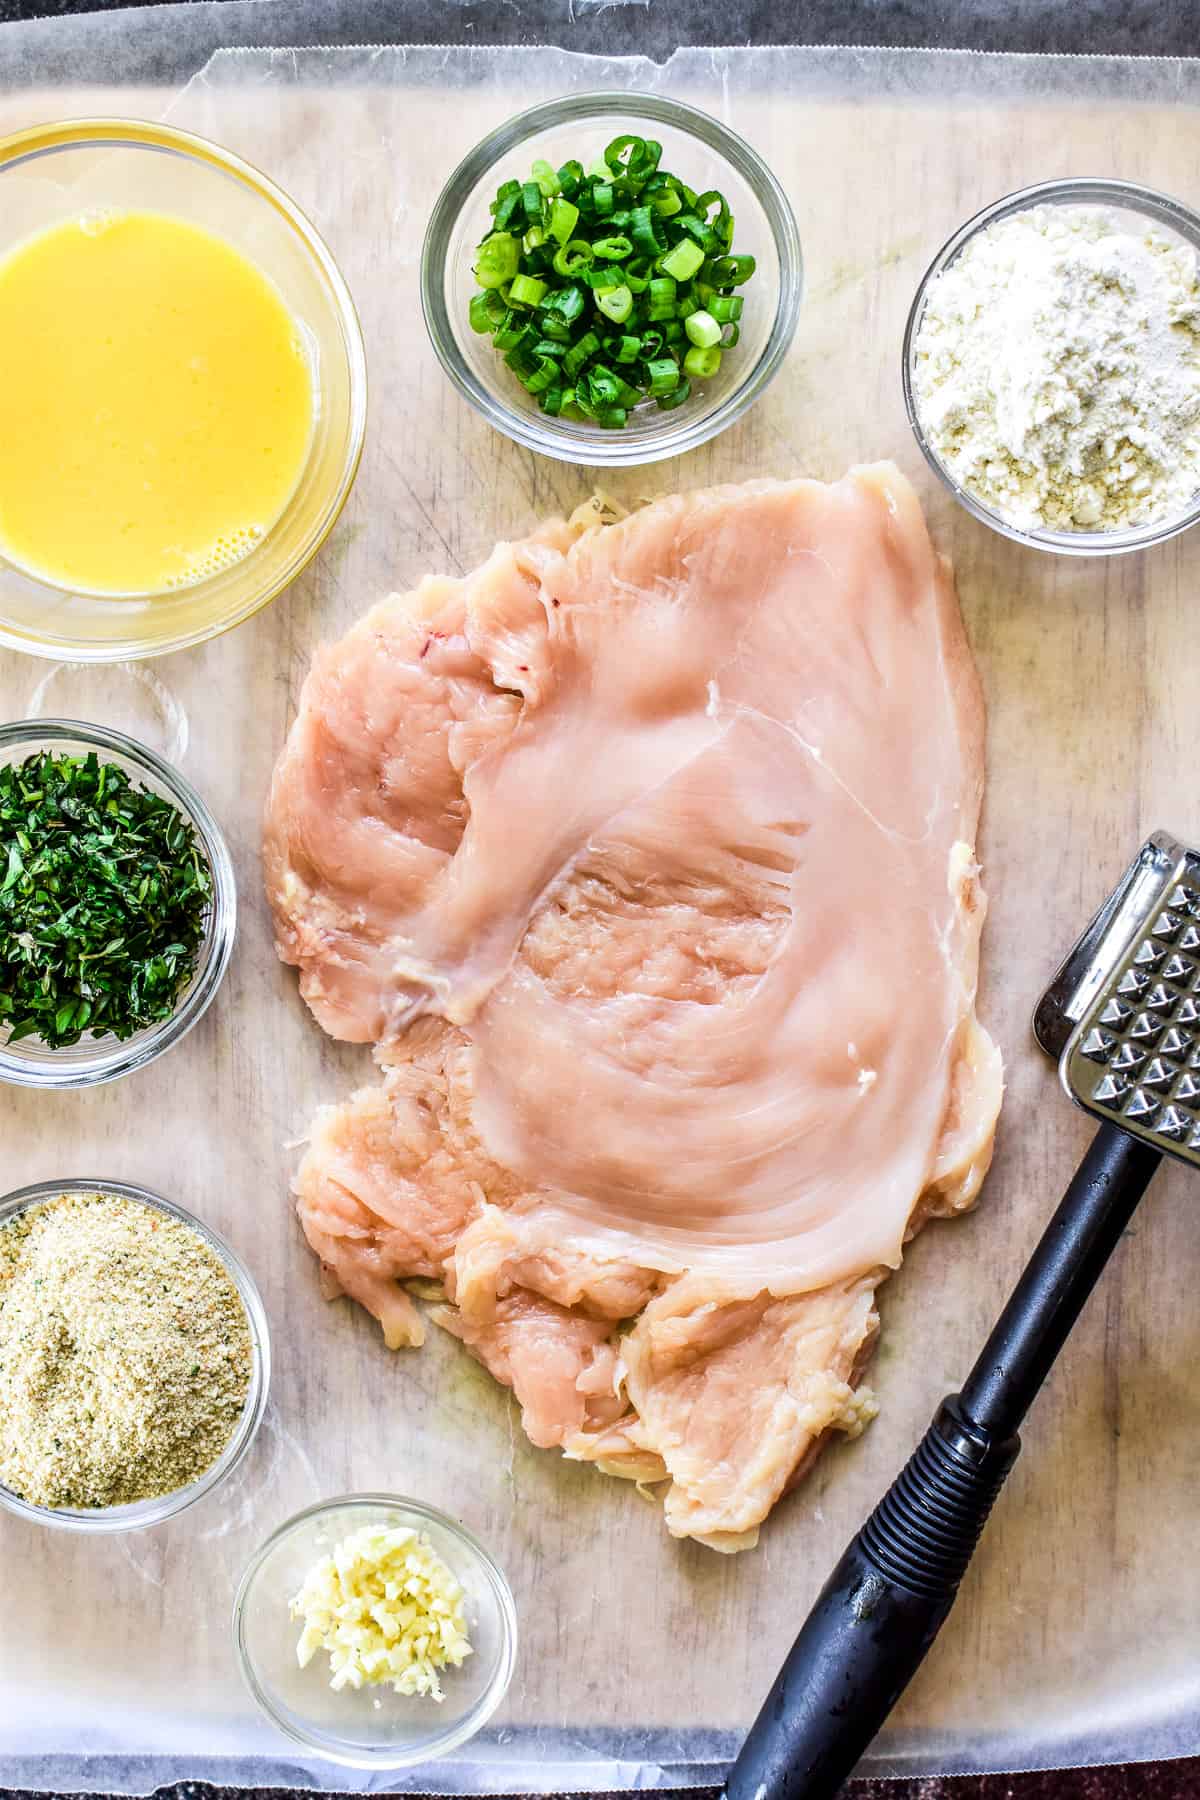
(156, 404)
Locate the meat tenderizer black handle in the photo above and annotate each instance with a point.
(882, 1607)
(875, 1617)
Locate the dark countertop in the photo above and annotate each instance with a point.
(1131, 28)
(1140, 1781)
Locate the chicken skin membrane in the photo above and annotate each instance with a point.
(645, 857)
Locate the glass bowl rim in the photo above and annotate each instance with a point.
(139, 1515)
(1162, 209)
(536, 431)
(136, 1052)
(438, 1743)
(35, 141)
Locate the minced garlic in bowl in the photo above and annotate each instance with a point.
(387, 1609)
(407, 1631)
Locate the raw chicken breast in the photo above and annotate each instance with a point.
(645, 856)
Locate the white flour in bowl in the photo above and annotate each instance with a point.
(1057, 370)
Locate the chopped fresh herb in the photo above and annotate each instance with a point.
(624, 264)
(104, 895)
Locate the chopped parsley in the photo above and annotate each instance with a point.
(104, 895)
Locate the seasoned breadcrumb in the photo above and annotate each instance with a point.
(125, 1353)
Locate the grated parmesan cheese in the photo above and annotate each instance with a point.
(387, 1609)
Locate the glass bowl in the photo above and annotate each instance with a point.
(374, 1728)
(30, 1062)
(55, 171)
(1140, 206)
(706, 155)
(141, 1513)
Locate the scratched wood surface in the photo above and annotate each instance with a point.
(1076, 1627)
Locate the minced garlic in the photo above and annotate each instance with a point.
(387, 1609)
(125, 1352)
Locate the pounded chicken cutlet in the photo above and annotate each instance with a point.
(644, 855)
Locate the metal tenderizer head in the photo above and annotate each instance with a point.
(1122, 1016)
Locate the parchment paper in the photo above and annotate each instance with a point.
(643, 1660)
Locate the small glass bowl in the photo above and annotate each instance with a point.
(30, 1062)
(56, 171)
(141, 1513)
(706, 155)
(1118, 197)
(374, 1728)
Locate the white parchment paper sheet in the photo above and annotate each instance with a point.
(642, 1660)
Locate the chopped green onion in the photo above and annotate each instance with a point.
(510, 331)
(608, 288)
(498, 260)
(545, 375)
(731, 271)
(612, 249)
(526, 290)
(722, 225)
(486, 310)
(508, 198)
(662, 376)
(665, 200)
(619, 156)
(563, 219)
(579, 354)
(603, 276)
(702, 329)
(661, 299)
(554, 327)
(572, 257)
(676, 397)
(702, 362)
(683, 261)
(701, 234)
(602, 387)
(506, 213)
(616, 305)
(644, 232)
(568, 302)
